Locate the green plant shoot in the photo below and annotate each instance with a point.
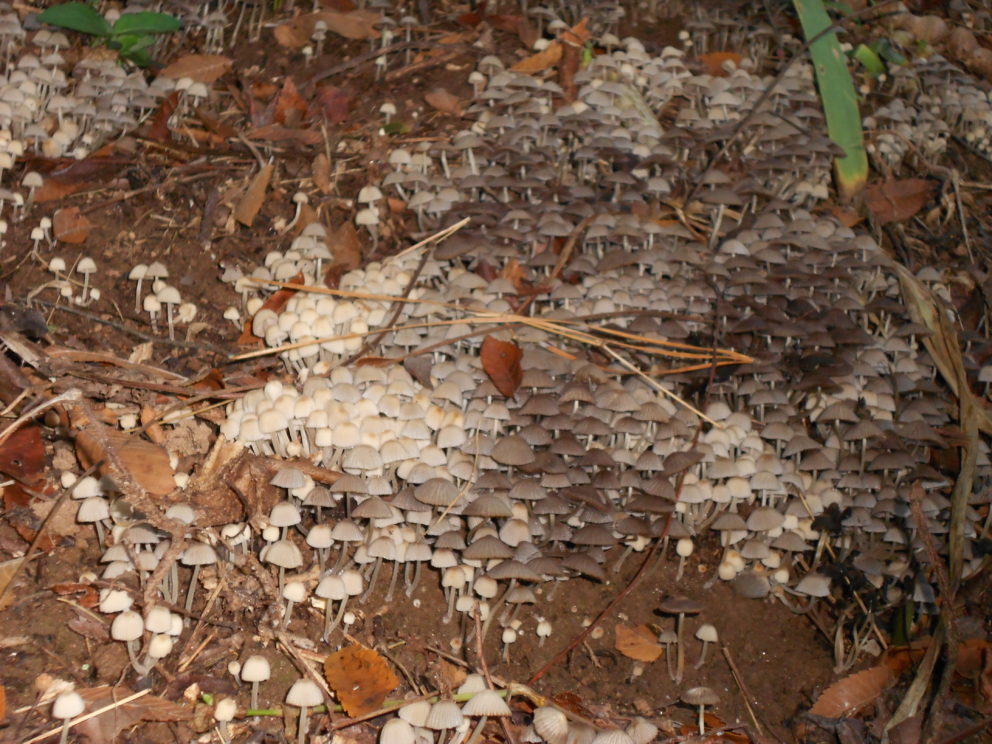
(839, 99)
(131, 35)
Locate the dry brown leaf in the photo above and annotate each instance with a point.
(254, 197)
(346, 248)
(146, 463)
(7, 571)
(713, 62)
(106, 726)
(201, 68)
(3, 702)
(360, 678)
(897, 200)
(639, 643)
(845, 697)
(356, 24)
(443, 101)
(543, 60)
(289, 106)
(321, 173)
(69, 226)
(276, 133)
(501, 361)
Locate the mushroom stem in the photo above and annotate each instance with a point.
(702, 721)
(702, 656)
(254, 695)
(337, 618)
(392, 582)
(372, 579)
(191, 592)
(679, 650)
(304, 725)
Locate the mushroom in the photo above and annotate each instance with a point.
(196, 554)
(684, 548)
(707, 634)
(169, 296)
(293, 592)
(680, 606)
(304, 694)
(701, 697)
(224, 713)
(128, 627)
(255, 669)
(86, 266)
(67, 706)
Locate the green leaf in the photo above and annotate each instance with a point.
(76, 17)
(395, 127)
(839, 99)
(146, 22)
(872, 63)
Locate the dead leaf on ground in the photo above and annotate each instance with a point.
(289, 106)
(22, 456)
(146, 463)
(7, 571)
(254, 197)
(276, 302)
(897, 200)
(848, 695)
(360, 678)
(78, 175)
(3, 702)
(443, 101)
(321, 173)
(331, 103)
(347, 250)
(158, 130)
(639, 643)
(713, 62)
(106, 726)
(276, 133)
(543, 60)
(201, 68)
(298, 32)
(501, 361)
(70, 226)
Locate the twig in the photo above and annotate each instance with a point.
(369, 56)
(510, 738)
(745, 693)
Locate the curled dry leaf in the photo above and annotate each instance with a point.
(639, 643)
(360, 678)
(501, 361)
(543, 60)
(845, 697)
(70, 226)
(22, 456)
(201, 68)
(714, 61)
(443, 101)
(254, 197)
(289, 106)
(356, 24)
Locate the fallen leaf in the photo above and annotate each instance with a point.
(321, 173)
(578, 34)
(254, 197)
(276, 302)
(78, 175)
(89, 627)
(7, 571)
(848, 695)
(639, 643)
(86, 595)
(501, 361)
(3, 702)
(444, 101)
(897, 200)
(331, 103)
(289, 106)
(713, 62)
(69, 226)
(360, 678)
(201, 68)
(298, 32)
(107, 725)
(22, 456)
(570, 701)
(346, 248)
(276, 133)
(543, 60)
(146, 463)
(158, 130)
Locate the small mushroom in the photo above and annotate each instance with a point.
(707, 634)
(255, 669)
(224, 713)
(700, 697)
(86, 266)
(680, 606)
(304, 694)
(67, 706)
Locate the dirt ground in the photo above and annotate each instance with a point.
(150, 205)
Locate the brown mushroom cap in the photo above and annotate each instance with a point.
(700, 696)
(680, 606)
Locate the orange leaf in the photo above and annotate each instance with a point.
(321, 173)
(253, 198)
(159, 130)
(501, 361)
(637, 643)
(22, 456)
(70, 226)
(276, 133)
(897, 200)
(289, 105)
(544, 59)
(3, 702)
(444, 101)
(360, 678)
(713, 62)
(202, 68)
(145, 462)
(578, 34)
(846, 696)
(276, 302)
